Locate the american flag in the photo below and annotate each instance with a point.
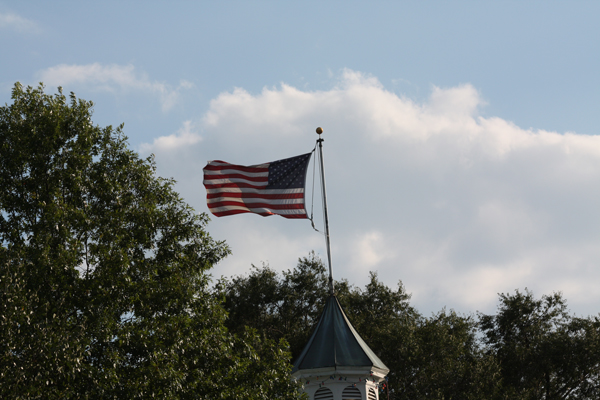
(275, 188)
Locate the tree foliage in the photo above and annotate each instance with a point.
(543, 352)
(103, 284)
(532, 349)
(279, 307)
(429, 358)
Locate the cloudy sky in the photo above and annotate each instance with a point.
(462, 140)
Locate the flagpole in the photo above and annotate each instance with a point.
(320, 141)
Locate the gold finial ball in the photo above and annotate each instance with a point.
(319, 130)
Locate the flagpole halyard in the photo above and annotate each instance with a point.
(320, 141)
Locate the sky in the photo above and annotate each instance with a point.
(462, 139)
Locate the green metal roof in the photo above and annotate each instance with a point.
(335, 343)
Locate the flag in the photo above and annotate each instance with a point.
(275, 188)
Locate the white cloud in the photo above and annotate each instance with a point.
(456, 205)
(186, 136)
(18, 23)
(370, 250)
(113, 78)
(261, 240)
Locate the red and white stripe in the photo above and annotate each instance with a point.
(236, 189)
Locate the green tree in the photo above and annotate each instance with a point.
(447, 362)
(278, 307)
(103, 284)
(388, 324)
(429, 358)
(543, 351)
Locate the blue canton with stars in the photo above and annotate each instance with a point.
(289, 173)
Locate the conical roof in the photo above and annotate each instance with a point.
(335, 343)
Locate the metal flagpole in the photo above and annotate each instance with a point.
(320, 141)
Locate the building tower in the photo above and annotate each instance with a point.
(336, 364)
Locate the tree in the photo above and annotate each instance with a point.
(387, 323)
(429, 358)
(447, 362)
(104, 291)
(531, 349)
(543, 352)
(278, 307)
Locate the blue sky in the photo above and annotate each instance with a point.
(462, 145)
